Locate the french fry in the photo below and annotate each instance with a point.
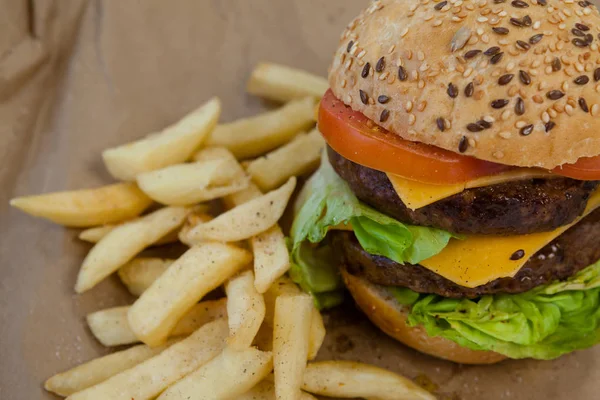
(151, 377)
(215, 153)
(98, 370)
(348, 379)
(86, 207)
(192, 220)
(245, 310)
(123, 243)
(139, 273)
(285, 287)
(93, 235)
(173, 145)
(226, 376)
(248, 219)
(281, 83)
(253, 136)
(187, 184)
(291, 334)
(271, 257)
(111, 326)
(243, 196)
(297, 157)
(265, 390)
(200, 270)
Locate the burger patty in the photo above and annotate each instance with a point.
(512, 208)
(569, 253)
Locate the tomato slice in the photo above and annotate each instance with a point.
(585, 169)
(358, 139)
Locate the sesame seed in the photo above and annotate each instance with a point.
(577, 32)
(517, 22)
(380, 65)
(363, 97)
(524, 77)
(441, 5)
(441, 124)
(554, 94)
(597, 75)
(581, 80)
(569, 109)
(519, 4)
(474, 127)
(350, 44)
(517, 255)
(452, 90)
(420, 55)
(412, 119)
(383, 76)
(505, 79)
(548, 127)
(526, 130)
(526, 20)
(499, 103)
(498, 154)
(408, 106)
(500, 30)
(463, 145)
(538, 99)
(505, 135)
(384, 115)
(580, 42)
(523, 45)
(545, 117)
(520, 124)
(471, 53)
(536, 38)
(492, 51)
(595, 110)
(496, 58)
(505, 115)
(404, 32)
(520, 106)
(582, 27)
(469, 89)
(583, 104)
(402, 75)
(365, 70)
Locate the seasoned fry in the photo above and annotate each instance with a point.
(248, 219)
(243, 196)
(148, 379)
(124, 242)
(281, 83)
(93, 235)
(200, 270)
(226, 376)
(350, 379)
(111, 327)
(86, 207)
(173, 145)
(284, 286)
(99, 369)
(271, 257)
(139, 273)
(265, 390)
(191, 222)
(216, 153)
(187, 184)
(291, 333)
(254, 136)
(245, 310)
(297, 157)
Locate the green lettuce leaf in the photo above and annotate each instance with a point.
(542, 323)
(327, 201)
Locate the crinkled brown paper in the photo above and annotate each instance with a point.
(77, 77)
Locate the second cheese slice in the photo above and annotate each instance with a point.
(417, 194)
(480, 259)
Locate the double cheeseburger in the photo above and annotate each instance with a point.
(458, 196)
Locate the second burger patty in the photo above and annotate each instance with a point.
(569, 253)
(511, 208)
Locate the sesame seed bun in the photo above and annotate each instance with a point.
(509, 81)
(390, 317)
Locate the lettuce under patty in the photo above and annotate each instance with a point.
(542, 323)
(328, 202)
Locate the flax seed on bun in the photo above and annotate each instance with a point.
(515, 82)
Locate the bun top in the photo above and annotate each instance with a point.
(510, 81)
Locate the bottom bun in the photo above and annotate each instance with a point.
(390, 317)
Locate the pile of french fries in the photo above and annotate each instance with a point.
(259, 341)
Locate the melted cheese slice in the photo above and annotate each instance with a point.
(417, 194)
(478, 260)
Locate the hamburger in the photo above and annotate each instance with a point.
(458, 198)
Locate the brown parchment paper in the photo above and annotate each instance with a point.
(78, 76)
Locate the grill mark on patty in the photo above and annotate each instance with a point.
(569, 253)
(512, 208)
